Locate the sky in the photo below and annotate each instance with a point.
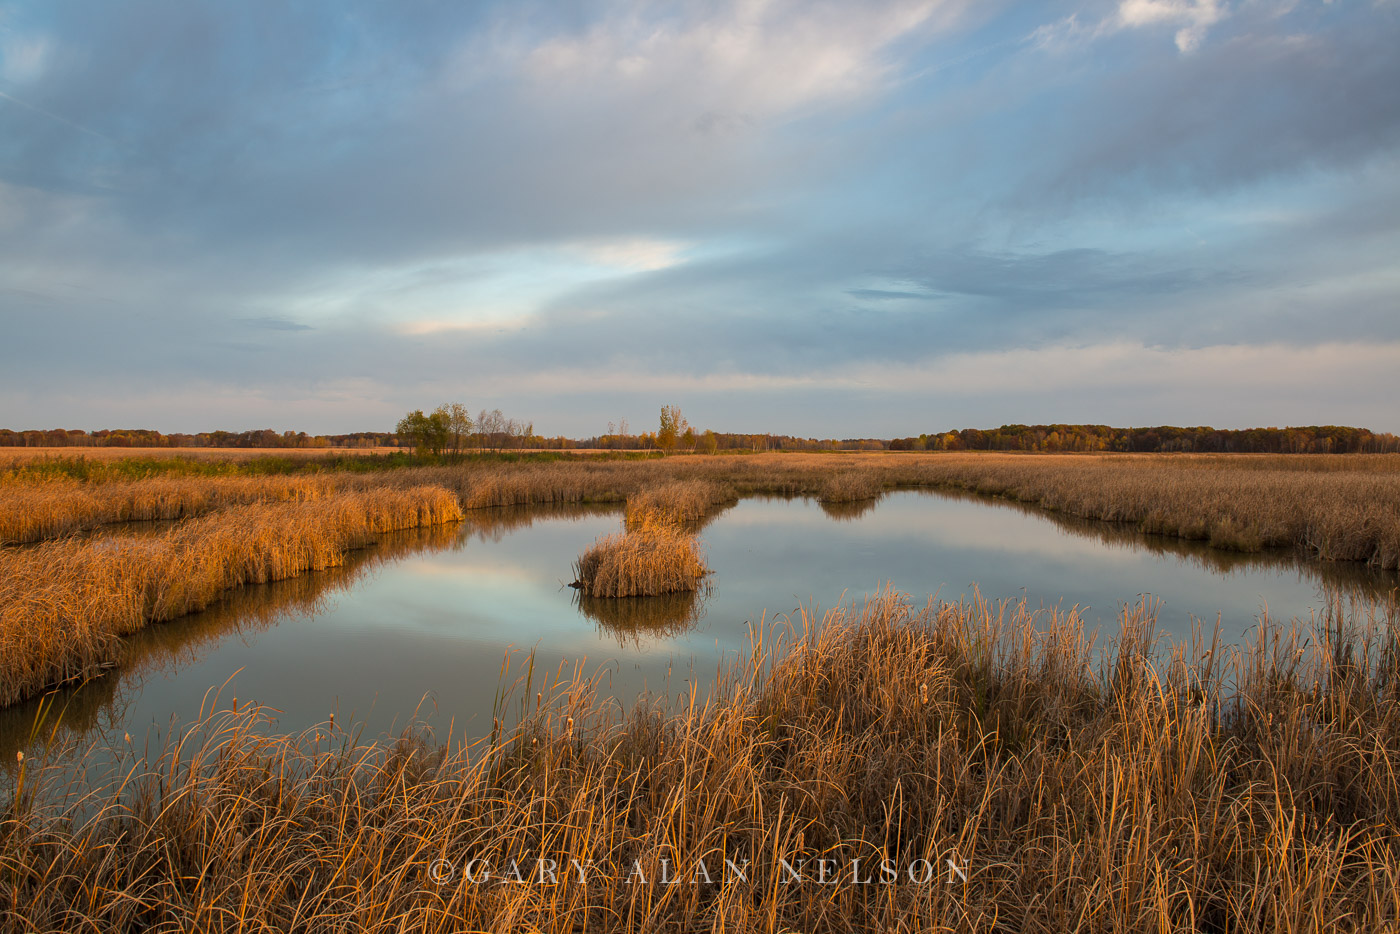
(825, 219)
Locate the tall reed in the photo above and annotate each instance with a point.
(1011, 776)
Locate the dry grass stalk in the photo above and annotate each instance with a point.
(65, 604)
(1249, 791)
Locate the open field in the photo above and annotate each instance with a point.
(20, 455)
(959, 767)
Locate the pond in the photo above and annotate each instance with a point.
(431, 622)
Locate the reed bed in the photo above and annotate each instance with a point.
(984, 768)
(1341, 508)
(679, 502)
(160, 651)
(1333, 507)
(32, 512)
(646, 561)
(849, 486)
(65, 604)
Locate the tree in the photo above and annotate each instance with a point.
(459, 424)
(673, 425)
(429, 433)
(708, 442)
(490, 427)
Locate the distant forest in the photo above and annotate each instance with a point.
(1314, 439)
(1326, 439)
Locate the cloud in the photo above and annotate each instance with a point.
(274, 323)
(22, 57)
(1195, 18)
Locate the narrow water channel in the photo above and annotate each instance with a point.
(422, 624)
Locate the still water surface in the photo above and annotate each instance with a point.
(423, 622)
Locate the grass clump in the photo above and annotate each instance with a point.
(642, 562)
(851, 486)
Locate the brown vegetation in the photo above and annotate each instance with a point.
(31, 512)
(13, 456)
(239, 613)
(679, 502)
(646, 561)
(851, 486)
(1250, 792)
(65, 604)
(1335, 507)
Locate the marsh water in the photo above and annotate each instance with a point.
(430, 623)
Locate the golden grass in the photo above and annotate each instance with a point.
(645, 561)
(678, 502)
(1249, 791)
(32, 512)
(14, 456)
(159, 651)
(1334, 507)
(850, 486)
(65, 604)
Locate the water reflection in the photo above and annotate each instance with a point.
(493, 525)
(850, 510)
(103, 705)
(432, 612)
(638, 620)
(1347, 579)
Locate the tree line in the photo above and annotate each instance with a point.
(451, 429)
(1312, 439)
